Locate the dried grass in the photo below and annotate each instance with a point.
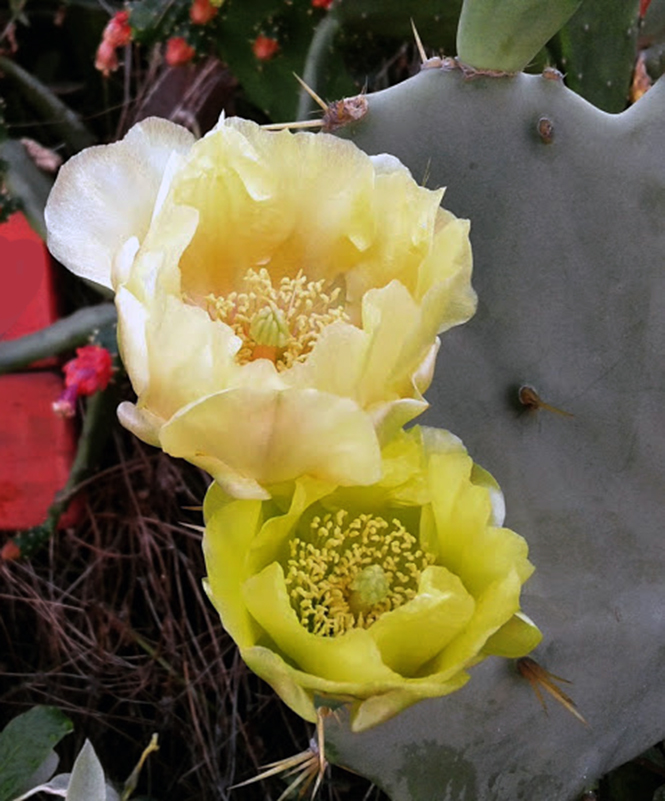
(110, 624)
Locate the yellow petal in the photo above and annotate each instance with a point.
(351, 657)
(409, 636)
(276, 436)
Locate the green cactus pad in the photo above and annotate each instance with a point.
(505, 35)
(567, 205)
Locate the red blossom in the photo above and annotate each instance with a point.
(178, 52)
(325, 4)
(88, 373)
(106, 60)
(201, 12)
(264, 47)
(10, 551)
(118, 32)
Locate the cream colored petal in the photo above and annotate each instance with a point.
(405, 216)
(276, 436)
(389, 418)
(336, 362)
(390, 316)
(106, 194)
(236, 484)
(140, 422)
(444, 278)
(290, 202)
(156, 266)
(190, 356)
(132, 319)
(123, 261)
(385, 163)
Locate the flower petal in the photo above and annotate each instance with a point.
(415, 632)
(275, 435)
(106, 194)
(495, 606)
(229, 532)
(350, 657)
(142, 423)
(381, 707)
(515, 638)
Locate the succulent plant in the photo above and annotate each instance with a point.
(567, 205)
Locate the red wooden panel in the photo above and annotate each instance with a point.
(36, 448)
(28, 299)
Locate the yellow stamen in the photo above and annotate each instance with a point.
(345, 576)
(278, 323)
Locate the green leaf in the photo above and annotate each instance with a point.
(24, 745)
(504, 35)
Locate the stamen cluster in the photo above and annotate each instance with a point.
(346, 576)
(277, 323)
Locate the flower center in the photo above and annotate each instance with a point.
(345, 576)
(278, 323)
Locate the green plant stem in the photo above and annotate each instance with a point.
(317, 56)
(65, 334)
(63, 120)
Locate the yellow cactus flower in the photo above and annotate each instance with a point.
(376, 596)
(279, 295)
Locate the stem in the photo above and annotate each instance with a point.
(64, 121)
(65, 334)
(315, 62)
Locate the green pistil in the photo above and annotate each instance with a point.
(345, 576)
(370, 587)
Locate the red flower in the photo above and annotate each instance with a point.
(106, 60)
(201, 12)
(10, 551)
(325, 4)
(88, 373)
(178, 52)
(264, 47)
(118, 32)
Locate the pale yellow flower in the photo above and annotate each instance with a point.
(376, 596)
(279, 295)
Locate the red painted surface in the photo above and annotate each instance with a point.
(27, 298)
(37, 448)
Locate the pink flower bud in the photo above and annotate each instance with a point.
(201, 12)
(178, 52)
(264, 48)
(106, 60)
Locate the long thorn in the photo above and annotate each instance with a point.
(279, 126)
(539, 678)
(311, 93)
(419, 44)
